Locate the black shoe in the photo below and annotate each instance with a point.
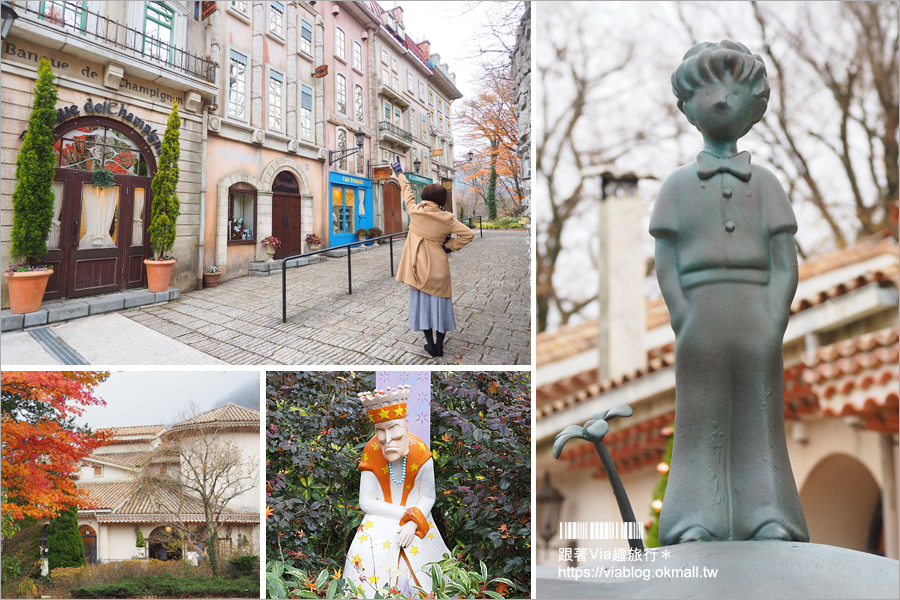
(432, 351)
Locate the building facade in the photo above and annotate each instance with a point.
(122, 505)
(118, 66)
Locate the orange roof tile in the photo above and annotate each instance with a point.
(137, 430)
(229, 413)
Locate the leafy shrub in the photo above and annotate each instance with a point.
(65, 548)
(244, 566)
(481, 442)
(64, 579)
(167, 586)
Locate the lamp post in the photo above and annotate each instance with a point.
(8, 18)
(336, 155)
(417, 164)
(469, 158)
(549, 503)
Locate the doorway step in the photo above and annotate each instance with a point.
(343, 251)
(263, 267)
(55, 311)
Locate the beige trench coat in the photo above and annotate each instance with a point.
(424, 264)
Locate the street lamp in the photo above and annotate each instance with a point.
(469, 158)
(549, 504)
(8, 18)
(336, 155)
(417, 164)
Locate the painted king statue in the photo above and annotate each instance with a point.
(397, 536)
(727, 267)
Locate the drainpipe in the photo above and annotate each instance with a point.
(202, 240)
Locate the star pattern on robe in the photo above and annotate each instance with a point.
(409, 487)
(368, 524)
(363, 538)
(430, 524)
(414, 550)
(430, 536)
(414, 467)
(422, 444)
(376, 446)
(385, 468)
(365, 457)
(357, 560)
(386, 544)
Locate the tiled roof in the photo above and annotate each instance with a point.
(132, 505)
(571, 340)
(126, 459)
(228, 413)
(141, 430)
(410, 45)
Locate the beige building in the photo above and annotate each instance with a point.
(122, 506)
(118, 66)
(840, 394)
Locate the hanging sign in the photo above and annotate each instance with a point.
(381, 173)
(437, 152)
(206, 10)
(320, 72)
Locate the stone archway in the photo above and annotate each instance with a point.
(263, 230)
(164, 543)
(265, 200)
(89, 540)
(841, 502)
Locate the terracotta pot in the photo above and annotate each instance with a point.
(159, 272)
(211, 279)
(26, 290)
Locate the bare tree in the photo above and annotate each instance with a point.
(212, 471)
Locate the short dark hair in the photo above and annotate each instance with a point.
(707, 62)
(435, 192)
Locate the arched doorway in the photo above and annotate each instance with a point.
(842, 504)
(393, 216)
(98, 239)
(89, 540)
(286, 214)
(164, 544)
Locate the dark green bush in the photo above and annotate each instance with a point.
(172, 587)
(481, 441)
(65, 548)
(244, 566)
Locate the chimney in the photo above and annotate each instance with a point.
(425, 47)
(623, 319)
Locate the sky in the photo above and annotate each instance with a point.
(154, 397)
(453, 29)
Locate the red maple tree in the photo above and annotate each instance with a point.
(42, 447)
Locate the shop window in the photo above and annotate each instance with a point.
(93, 146)
(340, 49)
(67, 15)
(305, 112)
(159, 23)
(357, 56)
(305, 37)
(241, 215)
(237, 85)
(358, 102)
(276, 18)
(276, 100)
(341, 93)
(343, 209)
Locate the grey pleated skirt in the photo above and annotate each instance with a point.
(430, 312)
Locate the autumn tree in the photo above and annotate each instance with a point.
(41, 445)
(214, 470)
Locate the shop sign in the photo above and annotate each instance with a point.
(352, 180)
(437, 152)
(207, 9)
(448, 185)
(381, 173)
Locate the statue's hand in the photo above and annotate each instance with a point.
(407, 532)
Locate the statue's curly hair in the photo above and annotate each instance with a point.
(707, 62)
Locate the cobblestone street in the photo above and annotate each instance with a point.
(239, 322)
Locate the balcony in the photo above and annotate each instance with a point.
(393, 95)
(93, 36)
(389, 132)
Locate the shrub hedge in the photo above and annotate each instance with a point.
(166, 586)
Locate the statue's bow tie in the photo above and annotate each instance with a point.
(738, 165)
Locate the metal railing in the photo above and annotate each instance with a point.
(394, 130)
(468, 221)
(389, 237)
(82, 21)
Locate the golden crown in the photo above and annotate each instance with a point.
(380, 398)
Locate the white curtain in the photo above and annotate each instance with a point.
(137, 226)
(362, 203)
(58, 189)
(98, 209)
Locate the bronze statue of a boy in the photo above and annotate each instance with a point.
(727, 268)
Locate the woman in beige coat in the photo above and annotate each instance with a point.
(424, 265)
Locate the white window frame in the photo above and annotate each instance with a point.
(357, 57)
(395, 65)
(338, 78)
(95, 471)
(246, 92)
(243, 16)
(410, 82)
(384, 56)
(340, 44)
(304, 134)
(422, 91)
(390, 112)
(430, 98)
(312, 35)
(395, 81)
(424, 136)
(412, 122)
(269, 77)
(273, 10)
(385, 76)
(359, 104)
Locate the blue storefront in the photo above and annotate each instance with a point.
(351, 207)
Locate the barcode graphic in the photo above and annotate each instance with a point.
(600, 530)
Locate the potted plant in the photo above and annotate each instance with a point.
(140, 545)
(361, 234)
(211, 276)
(374, 233)
(33, 200)
(314, 242)
(272, 245)
(165, 208)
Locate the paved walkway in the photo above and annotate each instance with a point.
(239, 322)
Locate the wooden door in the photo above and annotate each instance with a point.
(393, 215)
(286, 224)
